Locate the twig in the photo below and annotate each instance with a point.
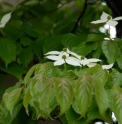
(78, 19)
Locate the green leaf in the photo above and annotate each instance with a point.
(119, 61)
(5, 117)
(28, 28)
(41, 69)
(25, 41)
(47, 99)
(73, 118)
(13, 99)
(101, 97)
(38, 46)
(12, 32)
(7, 51)
(95, 37)
(65, 23)
(26, 56)
(111, 51)
(110, 93)
(93, 112)
(29, 74)
(97, 52)
(26, 99)
(64, 93)
(70, 40)
(14, 69)
(37, 84)
(101, 75)
(83, 93)
(117, 104)
(52, 43)
(117, 78)
(75, 106)
(84, 49)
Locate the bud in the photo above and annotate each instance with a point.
(63, 57)
(109, 17)
(64, 49)
(82, 57)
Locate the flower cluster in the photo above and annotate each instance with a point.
(71, 58)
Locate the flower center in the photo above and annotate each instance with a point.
(82, 57)
(63, 57)
(64, 49)
(109, 17)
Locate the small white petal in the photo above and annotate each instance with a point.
(68, 51)
(52, 57)
(117, 18)
(98, 21)
(84, 62)
(72, 62)
(91, 64)
(72, 58)
(94, 60)
(2, 25)
(5, 19)
(53, 53)
(107, 66)
(64, 54)
(59, 62)
(73, 54)
(104, 16)
(112, 23)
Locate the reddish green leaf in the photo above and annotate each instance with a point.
(101, 75)
(12, 99)
(83, 93)
(117, 78)
(26, 99)
(111, 50)
(101, 97)
(117, 104)
(64, 93)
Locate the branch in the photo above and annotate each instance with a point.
(78, 19)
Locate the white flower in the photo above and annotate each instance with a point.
(84, 61)
(62, 58)
(90, 62)
(108, 19)
(5, 19)
(107, 66)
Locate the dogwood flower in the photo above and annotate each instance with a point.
(106, 18)
(107, 66)
(62, 58)
(5, 19)
(84, 61)
(90, 62)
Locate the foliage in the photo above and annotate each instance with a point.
(76, 94)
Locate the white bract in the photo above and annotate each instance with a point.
(84, 61)
(62, 58)
(106, 18)
(5, 19)
(107, 66)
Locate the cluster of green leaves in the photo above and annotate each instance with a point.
(36, 28)
(80, 96)
(75, 95)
